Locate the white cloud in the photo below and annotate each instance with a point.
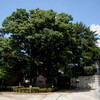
(96, 28)
(98, 43)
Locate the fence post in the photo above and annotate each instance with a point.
(30, 88)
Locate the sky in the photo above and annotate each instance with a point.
(86, 11)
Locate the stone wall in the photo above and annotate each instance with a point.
(92, 82)
(97, 63)
(40, 82)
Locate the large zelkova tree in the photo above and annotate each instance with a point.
(48, 40)
(42, 36)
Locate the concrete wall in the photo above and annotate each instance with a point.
(92, 82)
(97, 63)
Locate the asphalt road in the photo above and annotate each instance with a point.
(60, 95)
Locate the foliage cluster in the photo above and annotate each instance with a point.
(88, 70)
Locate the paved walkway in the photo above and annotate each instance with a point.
(61, 95)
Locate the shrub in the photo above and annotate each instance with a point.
(27, 89)
(6, 88)
(90, 70)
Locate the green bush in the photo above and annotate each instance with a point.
(34, 89)
(27, 89)
(49, 89)
(90, 70)
(6, 88)
(43, 90)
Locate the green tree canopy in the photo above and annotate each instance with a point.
(51, 40)
(4, 50)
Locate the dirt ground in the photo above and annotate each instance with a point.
(60, 95)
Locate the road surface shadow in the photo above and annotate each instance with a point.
(74, 90)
